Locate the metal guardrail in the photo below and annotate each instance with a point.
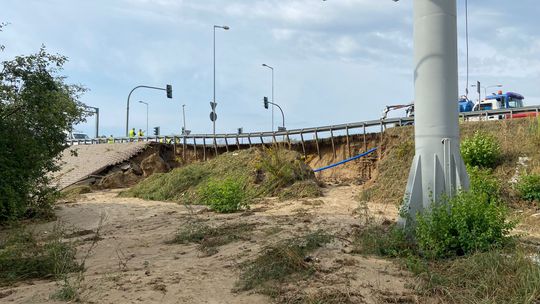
(258, 137)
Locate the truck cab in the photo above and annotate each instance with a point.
(498, 101)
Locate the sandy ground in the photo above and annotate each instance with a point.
(133, 264)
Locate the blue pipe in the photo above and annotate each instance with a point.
(346, 160)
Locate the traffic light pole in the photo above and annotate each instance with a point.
(282, 115)
(167, 89)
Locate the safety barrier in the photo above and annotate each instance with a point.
(297, 135)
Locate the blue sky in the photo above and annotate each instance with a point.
(336, 61)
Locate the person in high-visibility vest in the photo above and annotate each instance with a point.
(132, 133)
(110, 140)
(140, 133)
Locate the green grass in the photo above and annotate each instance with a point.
(24, 256)
(277, 263)
(262, 171)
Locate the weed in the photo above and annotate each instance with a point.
(23, 256)
(224, 195)
(278, 262)
(301, 189)
(482, 149)
(210, 238)
(283, 167)
(469, 222)
(528, 187)
(383, 240)
(490, 277)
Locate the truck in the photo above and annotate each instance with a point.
(499, 101)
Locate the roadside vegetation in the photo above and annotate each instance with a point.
(229, 182)
(463, 249)
(37, 109)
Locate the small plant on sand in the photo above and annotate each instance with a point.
(210, 238)
(225, 196)
(281, 261)
(23, 256)
(528, 187)
(467, 223)
(482, 150)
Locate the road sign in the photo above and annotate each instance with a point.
(213, 116)
(213, 105)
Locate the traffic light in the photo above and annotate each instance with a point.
(169, 91)
(265, 100)
(156, 131)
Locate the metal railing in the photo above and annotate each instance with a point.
(291, 136)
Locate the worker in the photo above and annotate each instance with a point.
(132, 133)
(110, 140)
(140, 133)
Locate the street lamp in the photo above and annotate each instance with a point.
(184, 119)
(214, 101)
(146, 103)
(271, 68)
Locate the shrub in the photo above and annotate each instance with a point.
(283, 167)
(225, 196)
(389, 241)
(481, 150)
(277, 263)
(469, 222)
(483, 182)
(528, 187)
(22, 256)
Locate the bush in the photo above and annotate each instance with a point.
(283, 167)
(22, 256)
(481, 150)
(225, 196)
(483, 182)
(469, 222)
(528, 187)
(277, 263)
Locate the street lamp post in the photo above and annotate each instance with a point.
(184, 119)
(168, 89)
(271, 68)
(214, 105)
(146, 103)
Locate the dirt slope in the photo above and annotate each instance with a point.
(132, 263)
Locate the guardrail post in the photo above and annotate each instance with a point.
(262, 141)
(195, 148)
(380, 141)
(215, 146)
(333, 146)
(302, 140)
(184, 146)
(226, 144)
(317, 141)
(365, 141)
(237, 143)
(288, 140)
(204, 148)
(249, 139)
(274, 140)
(348, 142)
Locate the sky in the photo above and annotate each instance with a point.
(335, 61)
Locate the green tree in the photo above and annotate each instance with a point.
(37, 109)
